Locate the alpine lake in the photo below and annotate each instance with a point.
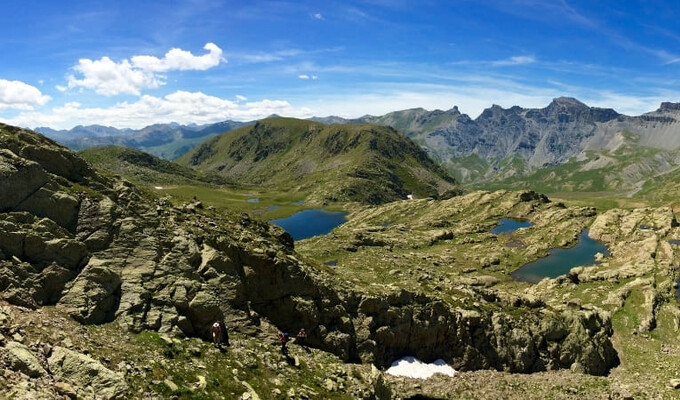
(559, 260)
(312, 222)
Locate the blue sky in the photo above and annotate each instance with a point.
(135, 63)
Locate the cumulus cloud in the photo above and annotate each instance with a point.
(516, 60)
(178, 59)
(181, 106)
(18, 95)
(319, 16)
(110, 78)
(305, 76)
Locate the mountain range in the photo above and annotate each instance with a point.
(563, 147)
(568, 139)
(167, 141)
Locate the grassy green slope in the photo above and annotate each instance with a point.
(365, 163)
(143, 168)
(417, 121)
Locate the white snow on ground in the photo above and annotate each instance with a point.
(158, 187)
(414, 368)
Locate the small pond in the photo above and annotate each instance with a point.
(253, 200)
(674, 242)
(507, 225)
(331, 263)
(307, 223)
(272, 208)
(560, 261)
(297, 203)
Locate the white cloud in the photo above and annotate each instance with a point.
(181, 106)
(178, 59)
(18, 95)
(241, 98)
(516, 60)
(110, 78)
(319, 16)
(305, 76)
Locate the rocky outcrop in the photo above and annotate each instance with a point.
(21, 359)
(86, 373)
(407, 324)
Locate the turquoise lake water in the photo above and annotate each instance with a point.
(560, 261)
(507, 225)
(308, 223)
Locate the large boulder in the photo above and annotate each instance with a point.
(95, 294)
(88, 375)
(21, 359)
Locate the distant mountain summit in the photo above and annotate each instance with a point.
(167, 141)
(354, 162)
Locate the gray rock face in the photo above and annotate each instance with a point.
(495, 143)
(94, 294)
(19, 178)
(539, 136)
(88, 374)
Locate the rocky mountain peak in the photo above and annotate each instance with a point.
(667, 106)
(566, 102)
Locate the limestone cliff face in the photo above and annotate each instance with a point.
(501, 143)
(99, 249)
(540, 137)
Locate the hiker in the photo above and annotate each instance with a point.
(301, 337)
(216, 331)
(283, 337)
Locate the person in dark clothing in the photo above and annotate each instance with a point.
(283, 337)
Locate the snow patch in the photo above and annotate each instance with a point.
(414, 368)
(158, 187)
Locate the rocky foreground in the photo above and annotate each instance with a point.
(109, 292)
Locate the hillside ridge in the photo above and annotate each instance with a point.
(352, 162)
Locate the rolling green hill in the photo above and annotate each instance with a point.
(143, 168)
(364, 163)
